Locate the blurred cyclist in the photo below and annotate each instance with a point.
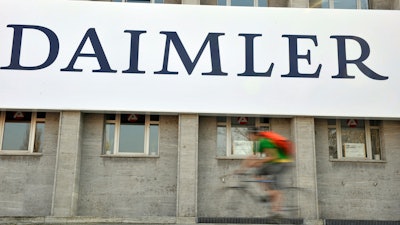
(270, 161)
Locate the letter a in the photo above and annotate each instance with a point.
(99, 53)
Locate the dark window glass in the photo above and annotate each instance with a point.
(154, 117)
(110, 116)
(41, 115)
(132, 118)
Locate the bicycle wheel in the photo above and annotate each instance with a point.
(245, 185)
(290, 201)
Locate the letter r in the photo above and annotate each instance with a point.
(343, 61)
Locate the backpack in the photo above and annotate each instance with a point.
(280, 141)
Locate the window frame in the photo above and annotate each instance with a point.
(149, 1)
(228, 126)
(117, 125)
(32, 134)
(368, 142)
(331, 4)
(255, 3)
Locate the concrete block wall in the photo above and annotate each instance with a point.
(121, 187)
(396, 4)
(359, 190)
(26, 182)
(67, 165)
(128, 187)
(304, 139)
(382, 4)
(187, 166)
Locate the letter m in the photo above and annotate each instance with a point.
(189, 64)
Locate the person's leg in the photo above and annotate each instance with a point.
(273, 189)
(276, 200)
(280, 169)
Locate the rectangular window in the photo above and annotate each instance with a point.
(131, 134)
(345, 4)
(22, 131)
(252, 3)
(138, 1)
(242, 2)
(232, 138)
(354, 139)
(319, 4)
(339, 4)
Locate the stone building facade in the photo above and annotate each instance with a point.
(72, 176)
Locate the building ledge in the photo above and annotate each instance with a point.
(81, 220)
(16, 153)
(358, 160)
(155, 220)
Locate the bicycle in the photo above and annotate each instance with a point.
(246, 184)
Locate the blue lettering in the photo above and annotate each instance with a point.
(134, 60)
(343, 61)
(294, 56)
(99, 54)
(211, 38)
(16, 48)
(250, 58)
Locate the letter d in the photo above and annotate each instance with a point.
(16, 48)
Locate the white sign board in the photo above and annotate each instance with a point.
(104, 56)
(243, 147)
(354, 150)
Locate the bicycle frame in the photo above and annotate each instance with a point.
(243, 184)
